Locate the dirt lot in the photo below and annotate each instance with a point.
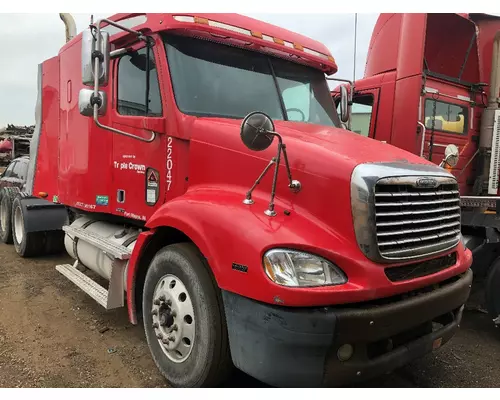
(53, 335)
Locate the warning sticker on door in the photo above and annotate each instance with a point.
(152, 186)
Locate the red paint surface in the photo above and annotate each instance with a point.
(212, 170)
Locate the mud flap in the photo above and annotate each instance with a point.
(42, 215)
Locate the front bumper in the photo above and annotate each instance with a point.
(297, 347)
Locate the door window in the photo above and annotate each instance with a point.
(448, 117)
(132, 85)
(361, 114)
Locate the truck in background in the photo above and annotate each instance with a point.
(432, 80)
(153, 173)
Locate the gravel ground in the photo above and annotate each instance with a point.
(54, 335)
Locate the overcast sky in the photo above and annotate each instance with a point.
(28, 39)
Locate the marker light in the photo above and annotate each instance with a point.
(243, 31)
(297, 268)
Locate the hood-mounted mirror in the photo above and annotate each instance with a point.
(451, 155)
(257, 133)
(344, 104)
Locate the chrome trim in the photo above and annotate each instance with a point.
(364, 179)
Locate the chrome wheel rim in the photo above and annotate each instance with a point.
(173, 318)
(3, 215)
(19, 225)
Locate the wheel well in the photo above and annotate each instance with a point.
(164, 236)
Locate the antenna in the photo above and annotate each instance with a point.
(355, 44)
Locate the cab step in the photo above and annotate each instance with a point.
(114, 297)
(92, 288)
(110, 248)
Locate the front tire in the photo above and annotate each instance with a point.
(184, 318)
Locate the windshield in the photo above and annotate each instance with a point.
(214, 80)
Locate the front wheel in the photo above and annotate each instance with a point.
(184, 318)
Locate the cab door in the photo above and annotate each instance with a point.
(364, 112)
(138, 109)
(447, 113)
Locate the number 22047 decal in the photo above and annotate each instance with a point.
(170, 163)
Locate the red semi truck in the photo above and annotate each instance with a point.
(433, 80)
(197, 164)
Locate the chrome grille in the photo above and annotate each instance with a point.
(414, 221)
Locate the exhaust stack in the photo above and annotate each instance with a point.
(69, 22)
(488, 139)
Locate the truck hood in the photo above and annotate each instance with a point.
(311, 148)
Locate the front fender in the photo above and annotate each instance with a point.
(234, 236)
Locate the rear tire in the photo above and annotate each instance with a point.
(7, 196)
(27, 244)
(179, 275)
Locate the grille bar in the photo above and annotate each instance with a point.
(427, 249)
(416, 194)
(427, 229)
(417, 203)
(418, 221)
(417, 212)
(420, 238)
(412, 221)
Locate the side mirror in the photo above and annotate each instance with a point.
(92, 47)
(86, 105)
(255, 131)
(451, 154)
(344, 102)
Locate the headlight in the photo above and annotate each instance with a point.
(296, 268)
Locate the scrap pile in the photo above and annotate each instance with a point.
(14, 142)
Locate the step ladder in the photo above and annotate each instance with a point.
(114, 297)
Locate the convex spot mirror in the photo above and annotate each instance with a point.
(91, 47)
(86, 106)
(256, 131)
(451, 154)
(344, 101)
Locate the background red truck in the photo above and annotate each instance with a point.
(432, 80)
(162, 178)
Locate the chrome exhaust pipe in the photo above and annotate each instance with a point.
(70, 25)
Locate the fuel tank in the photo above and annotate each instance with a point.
(92, 257)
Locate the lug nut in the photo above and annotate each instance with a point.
(169, 302)
(154, 312)
(171, 338)
(175, 328)
(156, 302)
(155, 325)
(165, 341)
(162, 298)
(159, 336)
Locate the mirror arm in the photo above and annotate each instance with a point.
(248, 199)
(96, 100)
(423, 138)
(119, 132)
(270, 211)
(294, 185)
